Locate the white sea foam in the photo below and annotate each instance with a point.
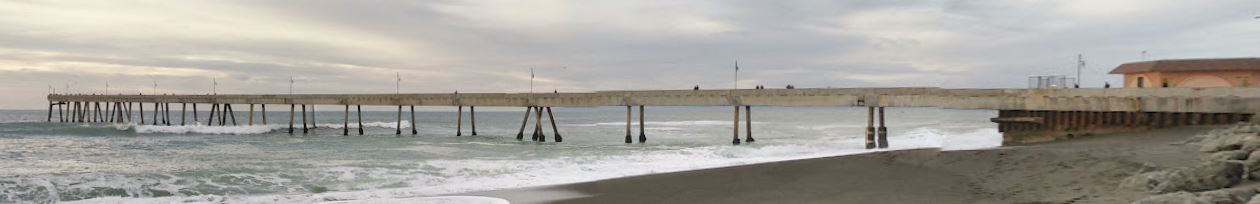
(447, 176)
(238, 130)
(203, 129)
(689, 123)
(405, 124)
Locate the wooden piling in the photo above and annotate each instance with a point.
(166, 114)
(251, 114)
(141, 113)
(50, 109)
(472, 118)
(183, 110)
(194, 115)
(314, 122)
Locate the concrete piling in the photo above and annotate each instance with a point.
(194, 115)
(748, 125)
(642, 133)
(870, 127)
(538, 128)
(472, 119)
(554, 129)
(183, 110)
(314, 122)
(882, 131)
(232, 113)
(459, 121)
(291, 109)
(157, 110)
(251, 114)
(628, 110)
(214, 108)
(736, 135)
(413, 123)
(359, 110)
(264, 113)
(398, 124)
(304, 128)
(520, 135)
(345, 122)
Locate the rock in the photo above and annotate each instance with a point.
(1180, 197)
(1252, 165)
(1229, 195)
(1216, 141)
(1250, 143)
(1227, 155)
(1254, 200)
(1222, 196)
(1207, 175)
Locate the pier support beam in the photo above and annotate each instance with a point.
(554, 129)
(264, 113)
(459, 122)
(157, 110)
(183, 111)
(413, 123)
(291, 109)
(314, 122)
(520, 135)
(345, 122)
(398, 128)
(736, 130)
(359, 110)
(642, 133)
(538, 128)
(882, 131)
(141, 105)
(194, 115)
(748, 125)
(870, 127)
(251, 114)
(628, 110)
(472, 118)
(231, 113)
(214, 108)
(304, 128)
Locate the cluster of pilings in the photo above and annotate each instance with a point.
(1032, 126)
(538, 134)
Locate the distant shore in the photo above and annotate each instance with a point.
(1083, 170)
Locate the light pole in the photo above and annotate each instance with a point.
(214, 87)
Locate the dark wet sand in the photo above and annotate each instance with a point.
(1082, 170)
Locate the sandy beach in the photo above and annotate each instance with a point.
(1083, 170)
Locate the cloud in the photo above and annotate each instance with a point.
(490, 45)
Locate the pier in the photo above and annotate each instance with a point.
(1024, 115)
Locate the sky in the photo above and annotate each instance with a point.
(438, 46)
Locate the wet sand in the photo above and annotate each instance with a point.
(1082, 170)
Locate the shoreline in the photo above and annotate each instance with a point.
(1081, 170)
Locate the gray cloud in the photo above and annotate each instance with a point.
(488, 45)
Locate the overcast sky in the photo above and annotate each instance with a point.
(583, 45)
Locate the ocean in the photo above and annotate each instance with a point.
(43, 162)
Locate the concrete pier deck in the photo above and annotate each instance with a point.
(1208, 100)
(1024, 115)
